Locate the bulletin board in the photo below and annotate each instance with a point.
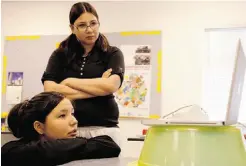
(140, 94)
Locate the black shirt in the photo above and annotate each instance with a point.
(56, 152)
(97, 111)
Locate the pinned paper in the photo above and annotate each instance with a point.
(133, 97)
(14, 88)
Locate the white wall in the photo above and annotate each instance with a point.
(182, 25)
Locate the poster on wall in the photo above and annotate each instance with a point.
(133, 97)
(136, 54)
(14, 87)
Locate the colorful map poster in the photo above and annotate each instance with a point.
(133, 97)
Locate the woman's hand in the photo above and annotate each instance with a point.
(107, 73)
(66, 81)
(103, 86)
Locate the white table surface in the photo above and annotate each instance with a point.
(119, 161)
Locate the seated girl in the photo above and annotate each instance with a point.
(47, 130)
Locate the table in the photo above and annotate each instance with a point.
(118, 161)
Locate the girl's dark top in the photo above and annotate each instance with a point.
(97, 111)
(45, 152)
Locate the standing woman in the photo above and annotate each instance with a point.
(86, 69)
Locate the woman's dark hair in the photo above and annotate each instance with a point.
(22, 116)
(71, 42)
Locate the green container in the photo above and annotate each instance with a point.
(193, 146)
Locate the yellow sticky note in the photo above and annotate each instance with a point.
(159, 71)
(4, 114)
(4, 79)
(153, 116)
(11, 38)
(57, 45)
(3, 128)
(131, 33)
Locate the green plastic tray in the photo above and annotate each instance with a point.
(192, 146)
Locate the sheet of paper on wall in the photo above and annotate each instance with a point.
(14, 94)
(133, 97)
(14, 87)
(15, 78)
(136, 55)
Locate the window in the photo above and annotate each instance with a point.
(217, 74)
